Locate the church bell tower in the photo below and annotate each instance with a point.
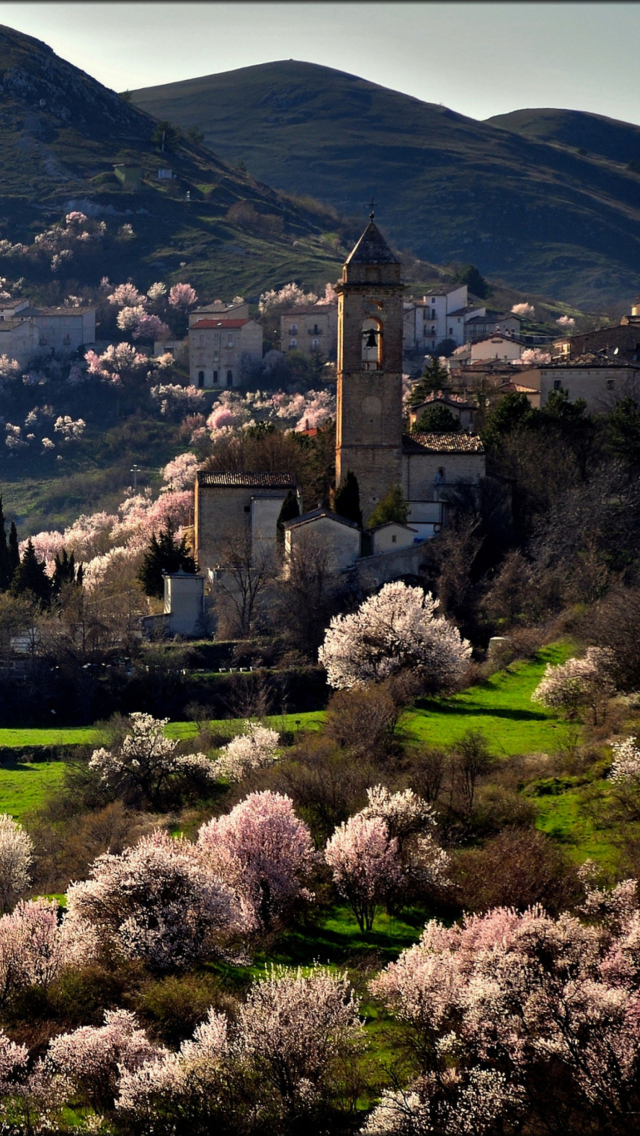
(369, 411)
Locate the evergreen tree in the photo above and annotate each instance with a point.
(30, 576)
(475, 282)
(434, 377)
(289, 511)
(65, 572)
(14, 550)
(5, 574)
(164, 556)
(346, 502)
(437, 419)
(393, 507)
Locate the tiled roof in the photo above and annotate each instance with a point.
(372, 248)
(230, 323)
(442, 444)
(316, 514)
(8, 325)
(445, 396)
(518, 388)
(55, 312)
(246, 480)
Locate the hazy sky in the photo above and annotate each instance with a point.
(478, 58)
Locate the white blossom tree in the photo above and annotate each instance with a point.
(255, 748)
(16, 856)
(625, 767)
(393, 631)
(147, 764)
(578, 684)
(366, 866)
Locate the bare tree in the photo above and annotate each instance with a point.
(307, 594)
(245, 574)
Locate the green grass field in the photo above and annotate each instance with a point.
(25, 787)
(68, 735)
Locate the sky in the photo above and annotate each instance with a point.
(479, 59)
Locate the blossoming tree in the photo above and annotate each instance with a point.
(16, 855)
(395, 630)
(578, 684)
(255, 748)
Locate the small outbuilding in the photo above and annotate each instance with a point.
(392, 536)
(321, 527)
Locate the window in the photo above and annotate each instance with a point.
(394, 539)
(215, 377)
(229, 343)
(315, 329)
(556, 384)
(314, 344)
(200, 378)
(201, 341)
(293, 330)
(247, 508)
(450, 331)
(293, 343)
(610, 384)
(229, 378)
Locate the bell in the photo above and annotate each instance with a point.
(371, 339)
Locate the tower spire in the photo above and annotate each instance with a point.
(372, 207)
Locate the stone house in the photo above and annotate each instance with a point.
(442, 315)
(16, 340)
(463, 410)
(505, 348)
(433, 464)
(338, 537)
(391, 537)
(311, 330)
(237, 507)
(221, 349)
(600, 383)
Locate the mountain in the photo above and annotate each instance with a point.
(61, 133)
(518, 200)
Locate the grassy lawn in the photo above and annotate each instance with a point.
(501, 708)
(24, 787)
(69, 735)
(281, 722)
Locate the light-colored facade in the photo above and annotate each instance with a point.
(338, 538)
(221, 311)
(311, 330)
(463, 410)
(391, 537)
(221, 350)
(492, 323)
(61, 330)
(433, 464)
(184, 608)
(442, 315)
(16, 340)
(601, 386)
(504, 348)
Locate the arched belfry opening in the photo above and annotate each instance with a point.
(372, 345)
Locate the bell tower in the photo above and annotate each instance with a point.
(369, 411)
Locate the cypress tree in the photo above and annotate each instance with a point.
(65, 572)
(393, 507)
(31, 576)
(289, 511)
(346, 502)
(5, 575)
(14, 550)
(164, 556)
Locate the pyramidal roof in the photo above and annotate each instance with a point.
(372, 248)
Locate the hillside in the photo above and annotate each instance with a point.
(61, 133)
(516, 201)
(592, 134)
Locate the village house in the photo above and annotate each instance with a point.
(491, 323)
(600, 383)
(442, 315)
(27, 331)
(504, 348)
(458, 404)
(236, 508)
(621, 342)
(221, 349)
(312, 330)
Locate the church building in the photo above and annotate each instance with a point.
(370, 441)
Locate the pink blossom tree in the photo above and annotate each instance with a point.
(365, 864)
(151, 327)
(412, 822)
(524, 309)
(182, 297)
(180, 474)
(158, 902)
(35, 946)
(393, 631)
(263, 850)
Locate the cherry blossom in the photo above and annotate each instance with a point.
(35, 946)
(255, 748)
(391, 631)
(130, 318)
(175, 399)
(264, 850)
(157, 291)
(532, 357)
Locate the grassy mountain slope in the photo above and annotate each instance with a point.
(593, 133)
(61, 133)
(542, 217)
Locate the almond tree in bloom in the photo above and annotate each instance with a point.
(157, 292)
(127, 296)
(93, 1058)
(147, 766)
(523, 310)
(566, 321)
(365, 864)
(393, 631)
(280, 1059)
(129, 318)
(255, 748)
(578, 684)
(31, 1095)
(180, 474)
(182, 297)
(150, 327)
(157, 902)
(263, 850)
(177, 400)
(35, 946)
(69, 430)
(412, 822)
(532, 357)
(16, 855)
(549, 1004)
(625, 767)
(284, 299)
